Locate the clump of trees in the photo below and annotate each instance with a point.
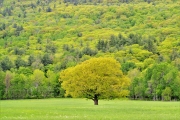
(159, 82)
(28, 84)
(118, 42)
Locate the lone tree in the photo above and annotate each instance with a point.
(95, 78)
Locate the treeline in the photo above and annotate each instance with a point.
(109, 2)
(27, 84)
(159, 82)
(75, 2)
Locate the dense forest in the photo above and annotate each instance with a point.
(40, 38)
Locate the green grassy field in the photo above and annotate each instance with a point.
(82, 109)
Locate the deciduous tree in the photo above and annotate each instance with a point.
(6, 64)
(95, 78)
(2, 85)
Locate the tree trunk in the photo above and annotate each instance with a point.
(95, 99)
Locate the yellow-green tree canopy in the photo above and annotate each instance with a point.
(97, 77)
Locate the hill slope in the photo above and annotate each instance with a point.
(48, 36)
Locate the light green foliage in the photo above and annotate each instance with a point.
(167, 93)
(18, 86)
(37, 77)
(159, 82)
(100, 77)
(24, 70)
(143, 32)
(25, 84)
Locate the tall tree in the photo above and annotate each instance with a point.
(6, 64)
(19, 62)
(17, 88)
(31, 59)
(37, 79)
(8, 77)
(2, 85)
(50, 83)
(95, 78)
(47, 59)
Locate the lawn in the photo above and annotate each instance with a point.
(83, 109)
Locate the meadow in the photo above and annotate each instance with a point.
(83, 109)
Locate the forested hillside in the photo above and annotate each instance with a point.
(40, 38)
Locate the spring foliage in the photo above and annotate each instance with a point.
(37, 36)
(97, 76)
